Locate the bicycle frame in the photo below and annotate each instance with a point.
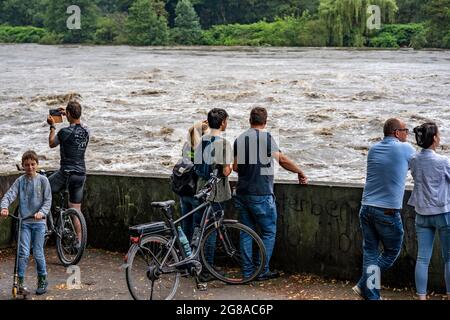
(58, 211)
(175, 240)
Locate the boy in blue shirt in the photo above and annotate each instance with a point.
(35, 197)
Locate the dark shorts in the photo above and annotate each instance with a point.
(76, 184)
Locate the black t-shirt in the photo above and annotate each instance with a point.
(73, 142)
(254, 149)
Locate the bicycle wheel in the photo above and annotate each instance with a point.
(70, 249)
(144, 279)
(222, 253)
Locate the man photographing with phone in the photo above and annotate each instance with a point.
(73, 141)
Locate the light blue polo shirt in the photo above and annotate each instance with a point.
(387, 167)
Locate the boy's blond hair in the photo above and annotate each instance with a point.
(196, 132)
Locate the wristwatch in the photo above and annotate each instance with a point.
(52, 127)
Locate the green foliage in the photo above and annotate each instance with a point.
(248, 22)
(384, 40)
(111, 29)
(21, 34)
(107, 6)
(419, 40)
(213, 12)
(57, 16)
(22, 13)
(145, 26)
(346, 20)
(289, 31)
(410, 11)
(187, 29)
(438, 12)
(399, 35)
(446, 41)
(51, 38)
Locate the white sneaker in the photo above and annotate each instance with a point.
(358, 291)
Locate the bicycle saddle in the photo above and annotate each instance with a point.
(163, 204)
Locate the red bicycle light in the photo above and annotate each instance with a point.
(134, 239)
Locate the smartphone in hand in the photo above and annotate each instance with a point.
(57, 115)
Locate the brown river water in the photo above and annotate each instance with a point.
(326, 106)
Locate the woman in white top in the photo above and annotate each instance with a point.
(431, 200)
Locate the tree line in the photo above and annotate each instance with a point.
(414, 23)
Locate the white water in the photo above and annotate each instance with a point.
(327, 106)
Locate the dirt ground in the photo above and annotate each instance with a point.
(103, 278)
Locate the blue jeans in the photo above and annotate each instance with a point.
(210, 244)
(32, 233)
(378, 226)
(258, 211)
(426, 227)
(187, 205)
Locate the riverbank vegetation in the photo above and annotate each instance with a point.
(340, 23)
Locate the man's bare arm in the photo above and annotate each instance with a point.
(51, 137)
(227, 169)
(289, 165)
(235, 165)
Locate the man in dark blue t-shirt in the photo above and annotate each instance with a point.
(254, 152)
(73, 141)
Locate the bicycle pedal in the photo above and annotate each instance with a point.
(202, 286)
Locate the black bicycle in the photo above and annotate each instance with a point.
(68, 225)
(156, 258)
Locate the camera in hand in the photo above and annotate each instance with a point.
(57, 115)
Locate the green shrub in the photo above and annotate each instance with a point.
(446, 41)
(26, 34)
(288, 31)
(399, 35)
(384, 40)
(419, 40)
(51, 38)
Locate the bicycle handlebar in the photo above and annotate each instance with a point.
(26, 218)
(209, 185)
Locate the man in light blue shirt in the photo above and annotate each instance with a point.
(387, 167)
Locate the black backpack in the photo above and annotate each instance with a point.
(183, 179)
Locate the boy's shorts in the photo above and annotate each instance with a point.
(76, 184)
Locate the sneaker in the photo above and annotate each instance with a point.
(22, 290)
(268, 275)
(42, 285)
(358, 291)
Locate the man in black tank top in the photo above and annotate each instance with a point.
(73, 142)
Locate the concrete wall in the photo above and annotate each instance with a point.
(318, 225)
(6, 224)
